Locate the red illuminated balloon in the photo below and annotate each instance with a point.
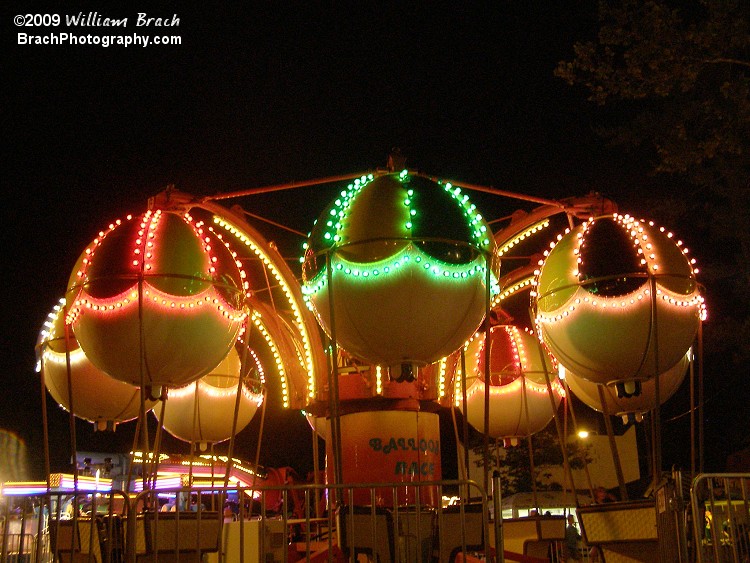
(519, 397)
(157, 299)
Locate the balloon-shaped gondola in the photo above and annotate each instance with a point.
(626, 405)
(617, 301)
(203, 411)
(77, 384)
(398, 271)
(522, 379)
(395, 254)
(157, 299)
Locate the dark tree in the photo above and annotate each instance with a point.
(673, 80)
(515, 465)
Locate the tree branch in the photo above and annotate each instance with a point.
(727, 61)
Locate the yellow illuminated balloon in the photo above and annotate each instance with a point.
(278, 302)
(203, 411)
(624, 404)
(278, 345)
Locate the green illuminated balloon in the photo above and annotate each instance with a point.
(408, 275)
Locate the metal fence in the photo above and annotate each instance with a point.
(396, 523)
(384, 522)
(721, 517)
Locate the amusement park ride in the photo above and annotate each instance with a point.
(407, 303)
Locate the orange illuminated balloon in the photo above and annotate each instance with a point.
(277, 344)
(611, 293)
(95, 396)
(157, 299)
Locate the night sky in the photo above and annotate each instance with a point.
(269, 95)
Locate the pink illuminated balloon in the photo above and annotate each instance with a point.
(624, 404)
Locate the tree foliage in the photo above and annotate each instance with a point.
(514, 462)
(692, 66)
(676, 77)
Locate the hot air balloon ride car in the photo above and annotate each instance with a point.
(522, 379)
(392, 255)
(630, 406)
(398, 271)
(157, 299)
(79, 386)
(617, 301)
(204, 411)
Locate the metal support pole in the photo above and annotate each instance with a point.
(692, 415)
(286, 186)
(657, 390)
(487, 373)
(497, 503)
(71, 407)
(464, 421)
(333, 386)
(700, 397)
(613, 445)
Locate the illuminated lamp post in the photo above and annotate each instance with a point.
(397, 271)
(76, 384)
(651, 394)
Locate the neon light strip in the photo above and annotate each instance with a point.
(296, 312)
(162, 482)
(522, 236)
(59, 482)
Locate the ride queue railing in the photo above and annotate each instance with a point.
(396, 523)
(393, 524)
(721, 517)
